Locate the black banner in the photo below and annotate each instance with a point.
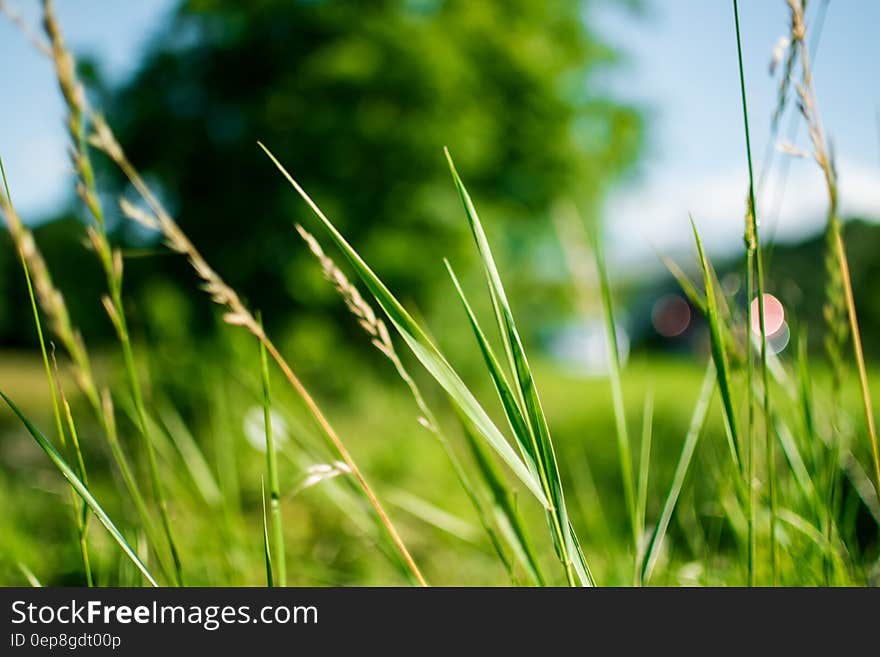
(412, 621)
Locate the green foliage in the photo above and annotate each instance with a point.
(362, 96)
(81, 489)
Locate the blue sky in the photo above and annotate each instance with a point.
(680, 66)
(32, 138)
(682, 69)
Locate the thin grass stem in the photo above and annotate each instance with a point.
(756, 274)
(644, 472)
(272, 470)
(54, 387)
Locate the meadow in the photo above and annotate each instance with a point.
(443, 461)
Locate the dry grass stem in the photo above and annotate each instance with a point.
(840, 303)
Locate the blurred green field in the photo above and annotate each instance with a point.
(428, 430)
(329, 544)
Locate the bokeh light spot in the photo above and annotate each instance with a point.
(670, 315)
(774, 315)
(779, 340)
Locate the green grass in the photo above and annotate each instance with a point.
(272, 476)
(81, 489)
(500, 465)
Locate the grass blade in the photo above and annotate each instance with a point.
(508, 398)
(623, 445)
(689, 289)
(267, 551)
(54, 389)
(644, 470)
(272, 470)
(29, 576)
(376, 329)
(422, 347)
(110, 259)
(698, 419)
(82, 520)
(81, 489)
(566, 544)
(504, 506)
(190, 452)
(719, 354)
(434, 516)
(756, 273)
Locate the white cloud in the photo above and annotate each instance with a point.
(654, 214)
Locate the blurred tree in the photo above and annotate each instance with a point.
(358, 99)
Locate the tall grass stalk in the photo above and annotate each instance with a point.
(644, 473)
(719, 334)
(58, 320)
(839, 289)
(623, 443)
(505, 509)
(575, 247)
(272, 469)
(54, 390)
(755, 273)
(111, 260)
(55, 308)
(538, 449)
(719, 355)
(817, 26)
(698, 419)
(50, 299)
(537, 446)
(513, 412)
(82, 515)
(267, 550)
(79, 508)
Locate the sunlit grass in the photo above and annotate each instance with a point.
(501, 466)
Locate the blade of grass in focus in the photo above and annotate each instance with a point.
(422, 347)
(520, 431)
(508, 398)
(81, 489)
(504, 506)
(719, 355)
(542, 449)
(755, 274)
